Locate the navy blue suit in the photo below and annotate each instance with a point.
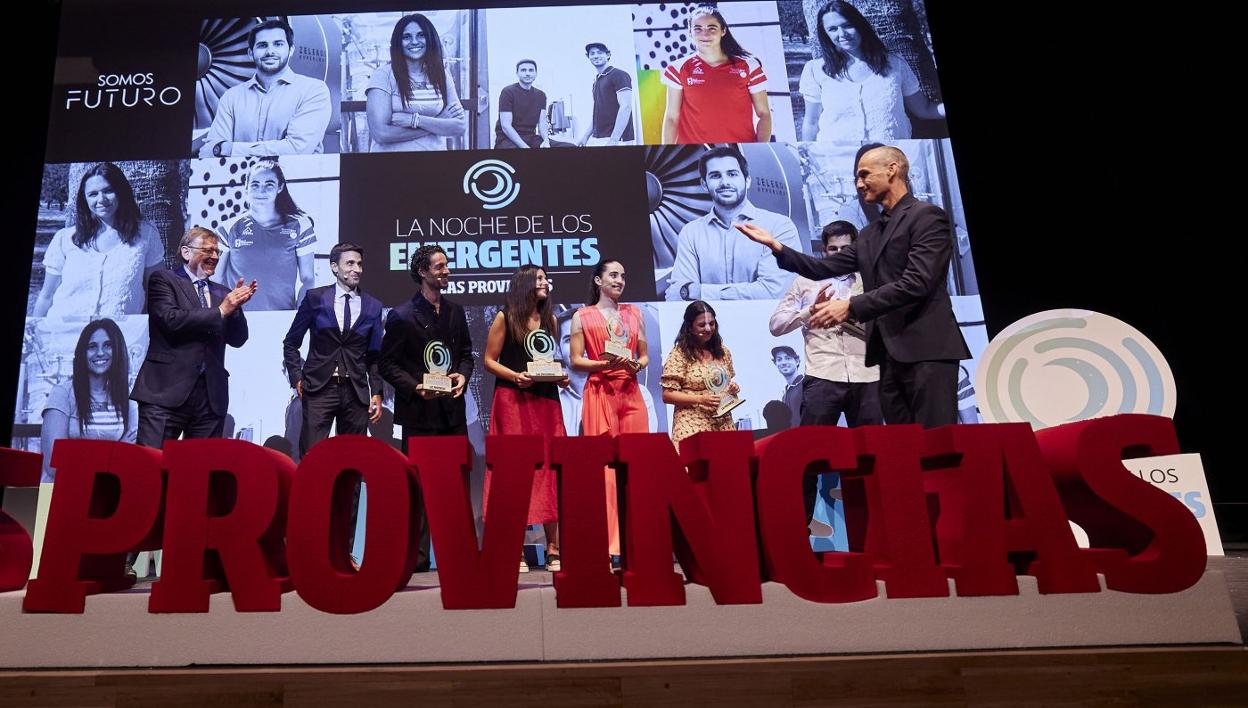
(354, 354)
(183, 387)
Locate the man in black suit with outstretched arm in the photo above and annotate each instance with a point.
(904, 259)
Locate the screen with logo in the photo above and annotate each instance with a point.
(562, 137)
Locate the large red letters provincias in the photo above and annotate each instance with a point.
(978, 504)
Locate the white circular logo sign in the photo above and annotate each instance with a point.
(1061, 366)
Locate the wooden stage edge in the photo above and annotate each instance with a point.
(1161, 675)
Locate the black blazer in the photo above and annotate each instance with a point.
(409, 327)
(904, 264)
(184, 337)
(355, 353)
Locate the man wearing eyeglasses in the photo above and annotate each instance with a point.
(183, 387)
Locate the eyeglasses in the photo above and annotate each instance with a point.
(205, 250)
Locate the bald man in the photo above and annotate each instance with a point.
(904, 259)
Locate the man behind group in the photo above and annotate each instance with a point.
(837, 381)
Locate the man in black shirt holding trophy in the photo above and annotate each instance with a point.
(426, 355)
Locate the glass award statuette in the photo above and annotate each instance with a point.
(437, 363)
(541, 348)
(617, 337)
(717, 382)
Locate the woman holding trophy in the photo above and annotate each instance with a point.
(609, 343)
(697, 376)
(522, 352)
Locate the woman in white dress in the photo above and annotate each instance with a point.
(99, 266)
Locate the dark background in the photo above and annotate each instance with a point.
(97, 43)
(1094, 144)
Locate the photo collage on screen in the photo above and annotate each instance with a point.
(562, 137)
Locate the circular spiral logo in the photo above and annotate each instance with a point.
(617, 329)
(437, 358)
(501, 192)
(1060, 366)
(540, 345)
(717, 378)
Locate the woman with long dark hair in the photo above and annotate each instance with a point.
(688, 369)
(714, 93)
(612, 398)
(272, 242)
(412, 103)
(99, 266)
(521, 405)
(858, 91)
(94, 402)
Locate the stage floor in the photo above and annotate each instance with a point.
(1160, 675)
(1155, 676)
(1234, 567)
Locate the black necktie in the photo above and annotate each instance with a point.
(346, 314)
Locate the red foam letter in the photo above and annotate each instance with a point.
(783, 459)
(105, 503)
(899, 534)
(586, 579)
(476, 579)
(316, 530)
(18, 468)
(228, 497)
(976, 531)
(717, 539)
(1157, 545)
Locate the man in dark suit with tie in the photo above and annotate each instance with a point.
(339, 381)
(183, 387)
(904, 259)
(410, 327)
